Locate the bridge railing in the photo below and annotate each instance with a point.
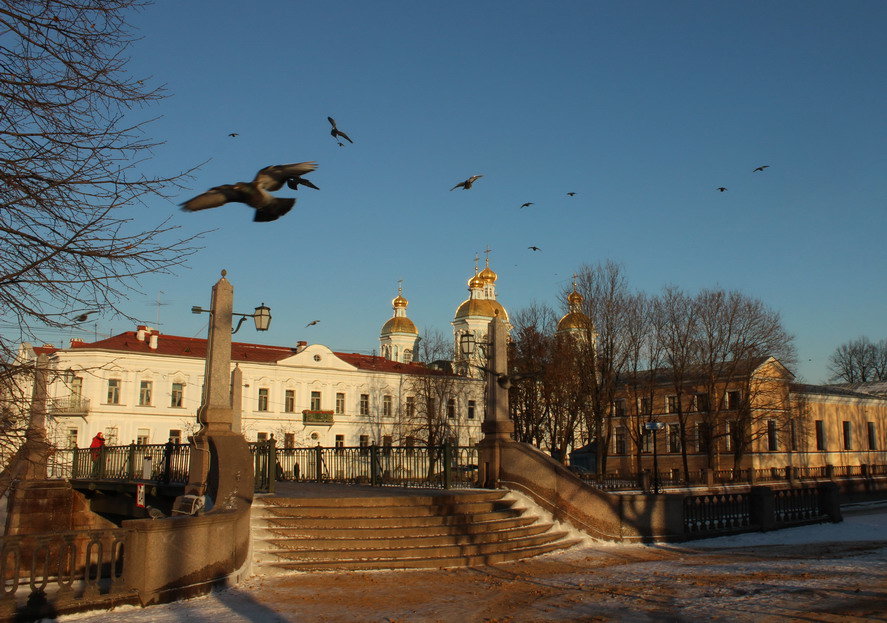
(154, 462)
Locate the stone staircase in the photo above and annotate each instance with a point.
(454, 529)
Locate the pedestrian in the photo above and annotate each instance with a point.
(95, 452)
(168, 449)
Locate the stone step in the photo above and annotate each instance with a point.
(410, 550)
(388, 522)
(341, 510)
(435, 562)
(273, 531)
(392, 500)
(373, 540)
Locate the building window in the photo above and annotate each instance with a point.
(261, 436)
(674, 437)
(701, 402)
(364, 441)
(472, 409)
(113, 391)
(820, 435)
(175, 435)
(340, 441)
(728, 436)
(772, 440)
(143, 438)
(387, 401)
(645, 406)
(386, 444)
(364, 405)
(451, 408)
(793, 435)
(177, 395)
(263, 399)
(71, 437)
(671, 404)
(111, 436)
(289, 440)
(646, 440)
(315, 401)
(620, 440)
(340, 403)
(411, 406)
(619, 407)
(848, 435)
(76, 389)
(734, 398)
(407, 355)
(873, 437)
(145, 393)
(289, 400)
(703, 437)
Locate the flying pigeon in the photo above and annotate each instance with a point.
(83, 317)
(761, 168)
(721, 188)
(336, 133)
(571, 194)
(233, 134)
(257, 194)
(467, 183)
(534, 248)
(527, 204)
(313, 322)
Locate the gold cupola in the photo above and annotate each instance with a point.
(575, 320)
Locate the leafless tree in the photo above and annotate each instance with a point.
(530, 350)
(73, 238)
(859, 361)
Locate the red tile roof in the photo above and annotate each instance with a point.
(178, 346)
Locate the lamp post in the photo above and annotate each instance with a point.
(655, 427)
(217, 437)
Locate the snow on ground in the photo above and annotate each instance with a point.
(822, 572)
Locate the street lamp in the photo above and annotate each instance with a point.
(655, 426)
(261, 317)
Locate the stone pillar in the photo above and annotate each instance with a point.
(215, 414)
(497, 426)
(236, 399)
(37, 446)
(762, 508)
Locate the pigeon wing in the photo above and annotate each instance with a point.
(332, 122)
(274, 210)
(294, 182)
(343, 135)
(215, 197)
(271, 178)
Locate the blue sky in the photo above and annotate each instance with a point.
(641, 108)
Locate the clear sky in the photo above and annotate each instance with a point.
(642, 109)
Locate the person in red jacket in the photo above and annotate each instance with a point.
(95, 450)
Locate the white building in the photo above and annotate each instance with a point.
(145, 387)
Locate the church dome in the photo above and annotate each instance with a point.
(399, 302)
(488, 275)
(475, 282)
(575, 298)
(486, 308)
(399, 324)
(573, 321)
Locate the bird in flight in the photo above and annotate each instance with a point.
(527, 204)
(84, 316)
(233, 134)
(534, 248)
(761, 168)
(336, 133)
(467, 183)
(312, 323)
(722, 188)
(257, 194)
(571, 194)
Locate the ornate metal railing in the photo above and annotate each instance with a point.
(406, 466)
(154, 462)
(797, 505)
(321, 418)
(45, 572)
(68, 406)
(721, 512)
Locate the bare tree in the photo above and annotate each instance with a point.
(71, 172)
(530, 350)
(71, 164)
(859, 361)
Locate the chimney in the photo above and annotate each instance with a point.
(75, 341)
(301, 345)
(152, 344)
(141, 332)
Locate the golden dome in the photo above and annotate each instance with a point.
(475, 282)
(399, 324)
(488, 275)
(399, 302)
(481, 307)
(575, 298)
(574, 320)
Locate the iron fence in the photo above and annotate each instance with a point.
(717, 512)
(405, 466)
(153, 462)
